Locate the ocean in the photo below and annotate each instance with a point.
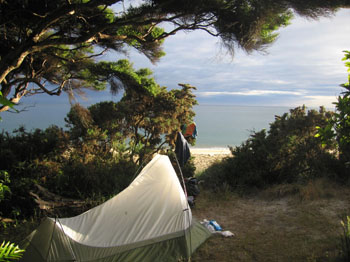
(218, 126)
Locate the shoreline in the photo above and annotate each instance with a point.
(210, 151)
(205, 157)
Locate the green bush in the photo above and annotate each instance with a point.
(86, 180)
(22, 156)
(27, 146)
(338, 127)
(287, 153)
(4, 182)
(99, 153)
(18, 203)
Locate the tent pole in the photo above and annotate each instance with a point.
(187, 210)
(182, 177)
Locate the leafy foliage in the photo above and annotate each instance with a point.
(80, 169)
(341, 120)
(98, 177)
(287, 153)
(4, 188)
(5, 103)
(141, 123)
(100, 152)
(8, 252)
(338, 126)
(21, 157)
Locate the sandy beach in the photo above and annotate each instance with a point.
(204, 157)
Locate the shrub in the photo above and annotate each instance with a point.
(287, 153)
(338, 127)
(27, 146)
(22, 157)
(4, 182)
(18, 203)
(97, 177)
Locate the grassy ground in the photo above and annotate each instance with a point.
(285, 223)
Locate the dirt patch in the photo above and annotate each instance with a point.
(283, 229)
(282, 223)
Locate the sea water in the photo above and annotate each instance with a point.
(228, 125)
(218, 126)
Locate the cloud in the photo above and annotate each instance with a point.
(303, 66)
(249, 93)
(316, 101)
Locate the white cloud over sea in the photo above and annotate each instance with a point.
(249, 93)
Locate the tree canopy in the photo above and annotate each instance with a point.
(145, 119)
(50, 46)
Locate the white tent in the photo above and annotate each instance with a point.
(149, 221)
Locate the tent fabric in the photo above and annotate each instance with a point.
(149, 221)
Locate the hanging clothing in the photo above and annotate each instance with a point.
(182, 149)
(183, 128)
(191, 130)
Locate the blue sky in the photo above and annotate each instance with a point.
(303, 66)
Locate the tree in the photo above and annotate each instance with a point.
(51, 46)
(146, 118)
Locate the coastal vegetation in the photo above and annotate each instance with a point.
(288, 152)
(55, 46)
(104, 146)
(298, 147)
(285, 181)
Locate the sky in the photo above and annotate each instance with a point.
(303, 67)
